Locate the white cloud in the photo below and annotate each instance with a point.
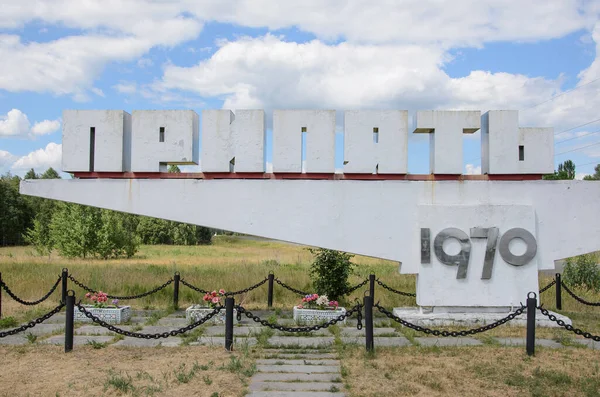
(470, 169)
(144, 62)
(40, 159)
(45, 127)
(16, 123)
(6, 160)
(126, 87)
(580, 175)
(97, 91)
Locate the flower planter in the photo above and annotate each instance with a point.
(197, 312)
(313, 316)
(111, 315)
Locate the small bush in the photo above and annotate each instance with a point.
(582, 271)
(8, 322)
(330, 271)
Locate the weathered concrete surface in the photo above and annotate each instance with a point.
(305, 369)
(78, 340)
(294, 386)
(464, 341)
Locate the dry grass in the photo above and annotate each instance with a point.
(48, 371)
(474, 371)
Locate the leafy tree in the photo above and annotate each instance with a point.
(566, 170)
(74, 230)
(330, 271)
(39, 234)
(583, 271)
(117, 237)
(15, 211)
(50, 174)
(595, 176)
(174, 169)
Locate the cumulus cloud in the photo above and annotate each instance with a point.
(50, 156)
(16, 123)
(6, 160)
(471, 169)
(126, 87)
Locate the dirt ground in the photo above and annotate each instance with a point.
(472, 371)
(111, 371)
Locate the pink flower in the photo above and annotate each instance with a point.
(214, 293)
(94, 298)
(300, 307)
(215, 300)
(88, 295)
(222, 291)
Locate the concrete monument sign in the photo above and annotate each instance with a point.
(472, 240)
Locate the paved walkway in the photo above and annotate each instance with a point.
(245, 332)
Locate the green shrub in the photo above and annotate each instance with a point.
(582, 271)
(330, 271)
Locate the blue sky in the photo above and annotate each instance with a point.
(540, 58)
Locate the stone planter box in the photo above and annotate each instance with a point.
(111, 315)
(197, 312)
(314, 316)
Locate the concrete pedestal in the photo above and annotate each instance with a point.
(470, 317)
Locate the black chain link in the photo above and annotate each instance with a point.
(148, 336)
(547, 286)
(294, 290)
(88, 289)
(202, 291)
(316, 327)
(580, 300)
(357, 286)
(437, 332)
(568, 327)
(395, 291)
(243, 291)
(23, 302)
(33, 323)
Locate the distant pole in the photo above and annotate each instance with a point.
(368, 304)
(229, 302)
(531, 308)
(176, 290)
(65, 279)
(1, 284)
(558, 292)
(372, 286)
(69, 314)
(270, 296)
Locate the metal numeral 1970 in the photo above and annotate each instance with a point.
(461, 259)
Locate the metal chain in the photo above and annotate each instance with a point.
(148, 336)
(202, 291)
(395, 291)
(568, 327)
(547, 286)
(581, 300)
(357, 286)
(316, 327)
(88, 289)
(23, 302)
(243, 291)
(294, 290)
(437, 332)
(33, 323)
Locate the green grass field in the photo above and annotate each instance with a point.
(230, 263)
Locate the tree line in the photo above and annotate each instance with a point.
(75, 230)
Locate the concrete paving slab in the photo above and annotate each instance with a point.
(305, 369)
(97, 330)
(589, 343)
(138, 320)
(157, 329)
(14, 340)
(174, 321)
(522, 342)
(442, 342)
(295, 377)
(294, 386)
(220, 341)
(281, 361)
(78, 340)
(136, 342)
(347, 331)
(300, 356)
(378, 341)
(43, 329)
(58, 318)
(316, 341)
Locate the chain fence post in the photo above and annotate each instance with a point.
(1, 283)
(372, 286)
(176, 278)
(229, 302)
(69, 317)
(270, 296)
(531, 308)
(368, 304)
(558, 292)
(65, 279)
